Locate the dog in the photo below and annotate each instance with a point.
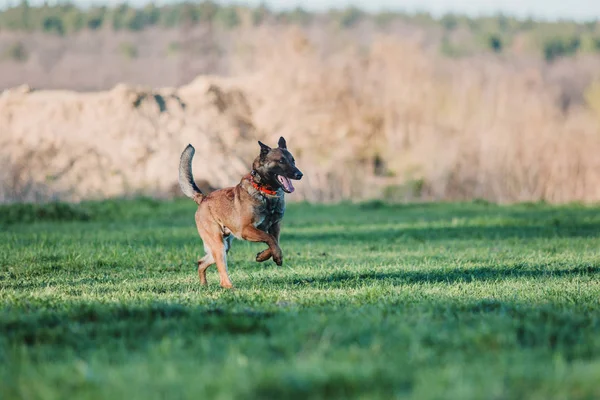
(252, 210)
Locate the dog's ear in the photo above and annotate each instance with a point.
(264, 149)
(281, 143)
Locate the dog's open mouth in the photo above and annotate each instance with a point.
(286, 184)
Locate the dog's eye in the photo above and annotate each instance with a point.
(281, 161)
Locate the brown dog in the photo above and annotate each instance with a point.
(252, 210)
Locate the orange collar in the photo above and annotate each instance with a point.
(262, 188)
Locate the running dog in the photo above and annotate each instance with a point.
(252, 210)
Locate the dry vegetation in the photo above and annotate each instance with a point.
(455, 129)
(386, 116)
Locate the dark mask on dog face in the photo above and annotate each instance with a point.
(277, 167)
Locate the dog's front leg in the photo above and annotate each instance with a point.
(256, 235)
(266, 254)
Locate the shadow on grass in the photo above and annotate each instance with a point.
(387, 235)
(351, 364)
(448, 276)
(447, 233)
(80, 325)
(109, 328)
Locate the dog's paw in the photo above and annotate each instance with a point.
(263, 255)
(226, 285)
(278, 258)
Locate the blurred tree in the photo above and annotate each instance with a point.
(556, 47)
(117, 15)
(449, 22)
(493, 33)
(207, 11)
(25, 15)
(17, 18)
(227, 17)
(74, 20)
(350, 17)
(134, 20)
(423, 18)
(95, 18)
(53, 24)
(384, 18)
(170, 16)
(591, 26)
(503, 22)
(260, 14)
(151, 14)
(527, 24)
(495, 43)
(297, 16)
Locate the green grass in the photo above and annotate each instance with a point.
(433, 301)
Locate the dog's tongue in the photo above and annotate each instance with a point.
(287, 184)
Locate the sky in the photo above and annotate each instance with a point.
(541, 9)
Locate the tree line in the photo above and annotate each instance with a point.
(493, 33)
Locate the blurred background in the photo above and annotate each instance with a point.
(393, 100)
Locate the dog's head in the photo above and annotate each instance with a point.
(276, 167)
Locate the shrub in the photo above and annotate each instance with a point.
(299, 16)
(452, 50)
(260, 14)
(449, 22)
(170, 17)
(409, 191)
(173, 48)
(135, 20)
(128, 50)
(95, 18)
(495, 43)
(118, 16)
(53, 25)
(350, 17)
(557, 47)
(228, 17)
(16, 52)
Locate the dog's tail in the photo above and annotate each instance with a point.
(186, 179)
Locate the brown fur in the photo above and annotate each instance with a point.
(243, 211)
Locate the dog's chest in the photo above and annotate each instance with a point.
(269, 212)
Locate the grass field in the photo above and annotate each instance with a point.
(432, 301)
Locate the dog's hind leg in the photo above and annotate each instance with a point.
(203, 264)
(219, 254)
(216, 246)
